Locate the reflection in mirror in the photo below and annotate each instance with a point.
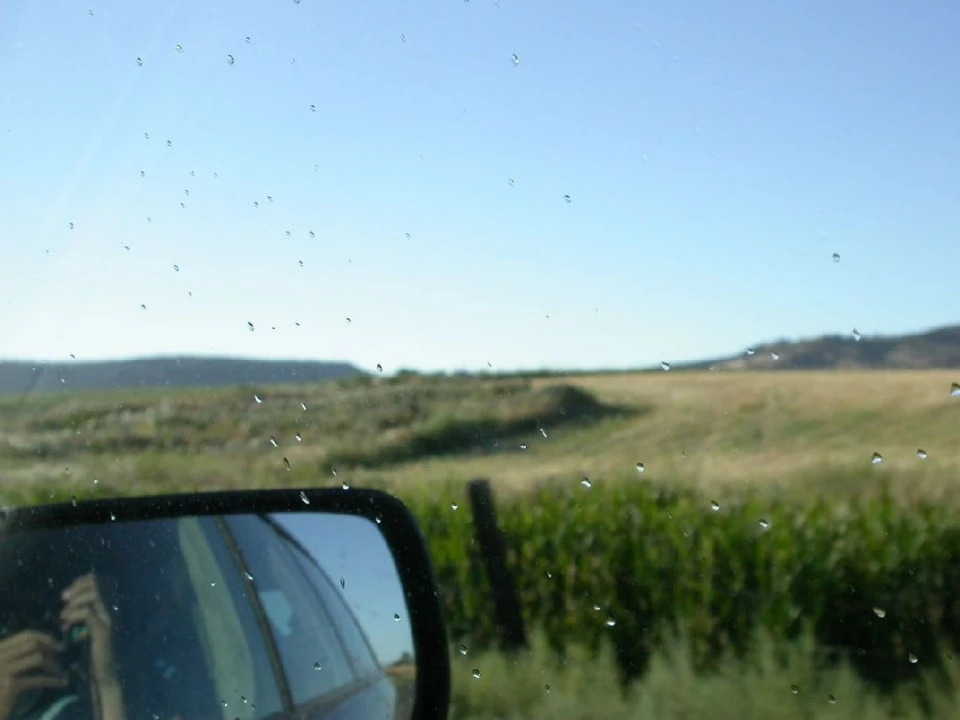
(222, 617)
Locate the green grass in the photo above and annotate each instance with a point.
(786, 681)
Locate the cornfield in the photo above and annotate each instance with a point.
(875, 583)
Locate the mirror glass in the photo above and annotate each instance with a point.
(223, 617)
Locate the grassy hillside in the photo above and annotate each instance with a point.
(722, 432)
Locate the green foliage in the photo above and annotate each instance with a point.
(784, 681)
(627, 564)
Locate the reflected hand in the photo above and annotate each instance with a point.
(83, 605)
(29, 661)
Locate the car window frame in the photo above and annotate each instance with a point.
(263, 622)
(251, 628)
(307, 563)
(329, 700)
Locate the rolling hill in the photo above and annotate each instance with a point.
(18, 378)
(937, 349)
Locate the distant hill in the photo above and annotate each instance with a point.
(935, 349)
(17, 378)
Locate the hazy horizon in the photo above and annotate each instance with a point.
(486, 369)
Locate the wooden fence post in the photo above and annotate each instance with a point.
(503, 590)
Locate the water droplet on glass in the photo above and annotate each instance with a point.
(316, 666)
(795, 689)
(596, 607)
(880, 612)
(178, 48)
(921, 454)
(143, 306)
(378, 519)
(586, 483)
(113, 517)
(454, 506)
(230, 60)
(300, 262)
(764, 525)
(187, 193)
(640, 467)
(256, 204)
(751, 351)
(139, 62)
(567, 199)
(476, 674)
(714, 505)
(343, 583)
(273, 441)
(258, 400)
(463, 650)
(856, 335)
(775, 356)
(836, 257)
(286, 464)
(298, 437)
(831, 699)
(516, 59)
(396, 617)
(877, 458)
(523, 446)
(611, 622)
(169, 143)
(955, 390)
(665, 366)
(546, 688)
(403, 38)
(303, 498)
(303, 407)
(345, 485)
(71, 226)
(313, 108)
(248, 576)
(913, 659)
(250, 326)
(247, 39)
(511, 182)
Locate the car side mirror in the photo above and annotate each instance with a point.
(236, 605)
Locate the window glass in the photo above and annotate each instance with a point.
(351, 634)
(314, 662)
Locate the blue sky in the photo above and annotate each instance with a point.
(716, 155)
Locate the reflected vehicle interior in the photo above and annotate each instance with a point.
(219, 617)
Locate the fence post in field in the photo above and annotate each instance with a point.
(506, 602)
